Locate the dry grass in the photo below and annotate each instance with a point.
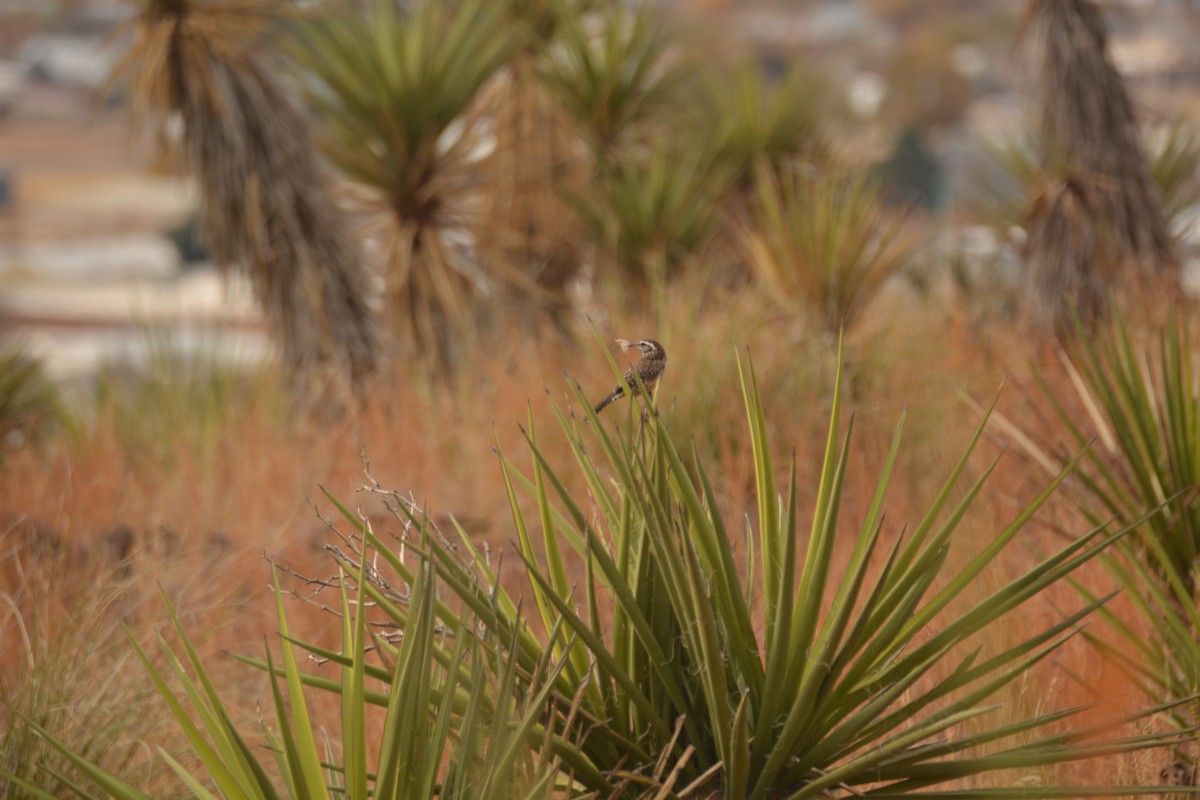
(202, 509)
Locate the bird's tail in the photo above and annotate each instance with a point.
(603, 404)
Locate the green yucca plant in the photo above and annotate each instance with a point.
(454, 723)
(854, 680)
(823, 243)
(651, 213)
(395, 91)
(745, 118)
(1144, 410)
(1165, 665)
(1146, 413)
(614, 82)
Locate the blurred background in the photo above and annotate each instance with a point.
(99, 233)
(96, 236)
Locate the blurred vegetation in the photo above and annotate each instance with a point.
(1013, 171)
(652, 215)
(825, 243)
(31, 404)
(1141, 406)
(189, 240)
(177, 403)
(478, 147)
(912, 175)
(930, 91)
(266, 204)
(69, 671)
(747, 117)
(616, 84)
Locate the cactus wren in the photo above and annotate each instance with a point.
(648, 369)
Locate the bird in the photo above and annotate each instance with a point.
(645, 372)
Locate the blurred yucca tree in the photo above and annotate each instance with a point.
(700, 674)
(823, 242)
(653, 211)
(615, 82)
(1106, 214)
(396, 91)
(456, 721)
(1044, 207)
(1144, 410)
(266, 203)
(745, 118)
(1011, 170)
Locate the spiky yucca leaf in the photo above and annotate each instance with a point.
(1146, 411)
(1175, 169)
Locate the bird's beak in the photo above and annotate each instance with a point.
(625, 344)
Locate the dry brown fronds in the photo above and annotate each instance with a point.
(1090, 142)
(1064, 254)
(265, 200)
